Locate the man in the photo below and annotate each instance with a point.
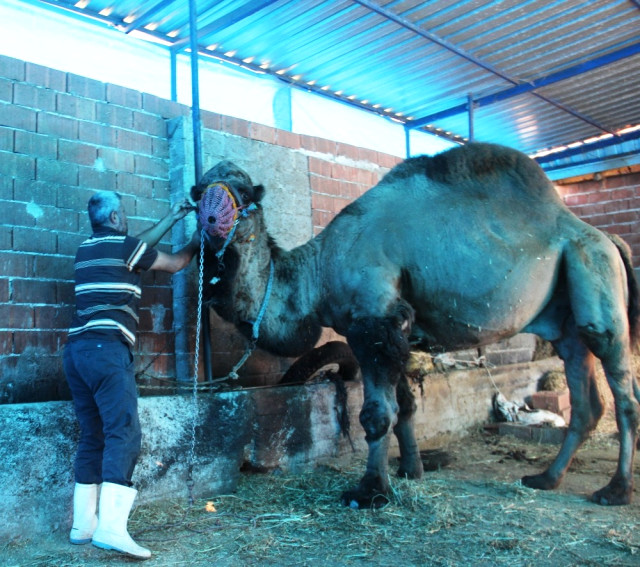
(99, 366)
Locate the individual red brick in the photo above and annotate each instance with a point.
(52, 317)
(12, 68)
(116, 160)
(45, 77)
(211, 120)
(16, 316)
(86, 87)
(134, 141)
(6, 90)
(149, 123)
(36, 145)
(33, 291)
(77, 152)
(6, 139)
(123, 96)
(97, 180)
(551, 401)
(17, 165)
(129, 183)
(79, 108)
(6, 343)
(289, 140)
(325, 146)
(34, 240)
(56, 125)
(54, 171)
(165, 108)
(153, 167)
(113, 114)
(160, 148)
(35, 97)
(16, 264)
(100, 134)
(322, 202)
(262, 133)
(235, 126)
(4, 290)
(18, 116)
(54, 267)
(321, 167)
(68, 242)
(44, 340)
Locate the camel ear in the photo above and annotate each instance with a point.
(258, 193)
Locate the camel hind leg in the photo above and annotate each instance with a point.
(404, 430)
(586, 405)
(598, 292)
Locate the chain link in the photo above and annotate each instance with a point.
(194, 397)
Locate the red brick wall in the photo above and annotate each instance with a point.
(610, 202)
(334, 185)
(61, 138)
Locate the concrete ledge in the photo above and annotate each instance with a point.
(294, 428)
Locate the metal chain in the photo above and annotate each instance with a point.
(194, 397)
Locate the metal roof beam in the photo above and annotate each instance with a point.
(462, 53)
(233, 17)
(147, 15)
(531, 85)
(590, 147)
(434, 38)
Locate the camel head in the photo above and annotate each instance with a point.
(221, 193)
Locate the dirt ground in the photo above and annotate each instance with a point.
(473, 511)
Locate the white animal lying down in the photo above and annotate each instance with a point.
(522, 413)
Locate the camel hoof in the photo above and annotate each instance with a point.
(616, 493)
(370, 493)
(356, 500)
(542, 481)
(411, 472)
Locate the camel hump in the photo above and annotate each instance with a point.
(470, 167)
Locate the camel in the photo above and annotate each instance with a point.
(448, 252)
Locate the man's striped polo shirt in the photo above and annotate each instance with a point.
(107, 269)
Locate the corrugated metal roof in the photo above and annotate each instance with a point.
(541, 73)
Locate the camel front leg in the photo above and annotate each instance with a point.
(377, 415)
(382, 349)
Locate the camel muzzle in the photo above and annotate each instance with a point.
(218, 210)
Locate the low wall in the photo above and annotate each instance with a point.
(294, 428)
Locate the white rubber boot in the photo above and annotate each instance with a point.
(115, 504)
(85, 520)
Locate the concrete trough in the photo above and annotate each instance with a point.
(292, 428)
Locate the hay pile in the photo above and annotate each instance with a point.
(473, 511)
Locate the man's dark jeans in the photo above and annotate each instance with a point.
(102, 382)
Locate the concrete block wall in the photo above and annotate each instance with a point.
(63, 136)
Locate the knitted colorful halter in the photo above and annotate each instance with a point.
(218, 210)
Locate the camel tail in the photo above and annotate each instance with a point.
(633, 306)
